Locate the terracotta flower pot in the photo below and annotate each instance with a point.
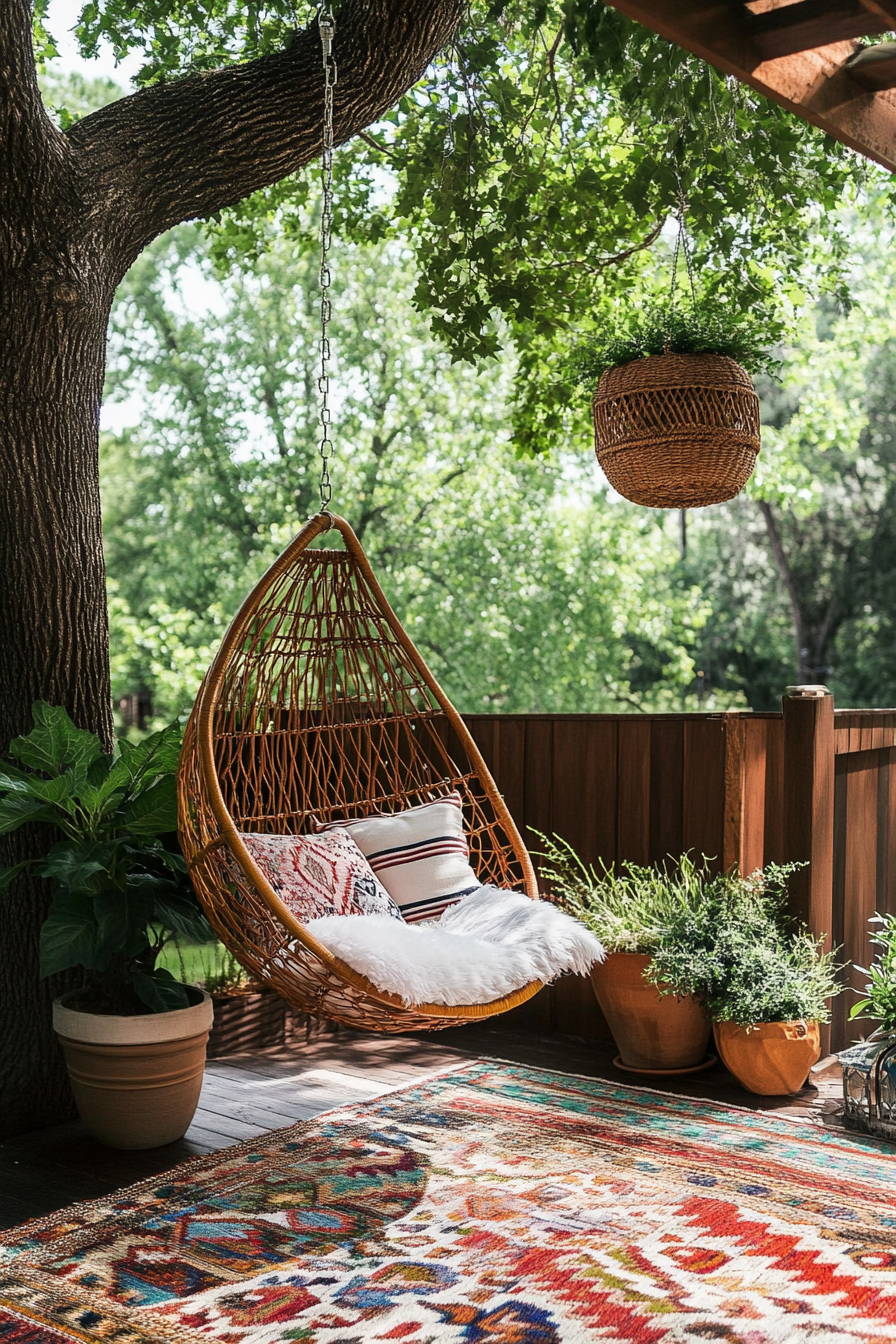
(771, 1058)
(136, 1080)
(653, 1031)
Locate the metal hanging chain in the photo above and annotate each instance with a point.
(327, 25)
(681, 245)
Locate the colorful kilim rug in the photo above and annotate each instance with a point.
(492, 1204)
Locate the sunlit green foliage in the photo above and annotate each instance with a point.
(531, 171)
(523, 587)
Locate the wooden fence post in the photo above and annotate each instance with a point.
(809, 808)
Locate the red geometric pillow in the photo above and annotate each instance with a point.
(316, 875)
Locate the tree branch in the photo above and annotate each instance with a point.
(32, 149)
(614, 260)
(375, 144)
(188, 148)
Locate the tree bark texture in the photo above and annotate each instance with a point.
(76, 210)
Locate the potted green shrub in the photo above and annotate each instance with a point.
(765, 986)
(869, 1066)
(676, 418)
(630, 909)
(134, 1037)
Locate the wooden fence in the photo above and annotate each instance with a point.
(810, 784)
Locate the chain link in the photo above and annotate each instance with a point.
(327, 26)
(681, 245)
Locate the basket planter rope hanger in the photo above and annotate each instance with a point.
(318, 708)
(677, 431)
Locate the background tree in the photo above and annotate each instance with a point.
(802, 577)
(525, 588)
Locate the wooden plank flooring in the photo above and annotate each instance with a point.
(247, 1095)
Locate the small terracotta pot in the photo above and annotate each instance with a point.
(136, 1080)
(653, 1031)
(770, 1058)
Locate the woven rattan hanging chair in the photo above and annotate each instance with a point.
(318, 708)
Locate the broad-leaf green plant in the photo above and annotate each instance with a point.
(119, 883)
(880, 991)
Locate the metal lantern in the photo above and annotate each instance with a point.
(869, 1087)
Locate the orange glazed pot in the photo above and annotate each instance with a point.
(653, 1031)
(771, 1058)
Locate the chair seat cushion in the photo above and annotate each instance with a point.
(420, 855)
(317, 875)
(487, 946)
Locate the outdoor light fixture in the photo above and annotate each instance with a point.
(869, 1087)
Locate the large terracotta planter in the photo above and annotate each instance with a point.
(136, 1080)
(653, 1032)
(771, 1058)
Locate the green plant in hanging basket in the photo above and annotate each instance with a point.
(676, 417)
(697, 330)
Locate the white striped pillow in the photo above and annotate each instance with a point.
(421, 855)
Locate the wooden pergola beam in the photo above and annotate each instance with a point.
(838, 86)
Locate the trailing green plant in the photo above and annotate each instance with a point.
(119, 884)
(736, 953)
(629, 907)
(655, 331)
(880, 991)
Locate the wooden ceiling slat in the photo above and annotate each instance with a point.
(815, 84)
(885, 8)
(811, 23)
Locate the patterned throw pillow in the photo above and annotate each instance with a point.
(420, 855)
(317, 875)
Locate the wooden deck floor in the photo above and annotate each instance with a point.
(246, 1095)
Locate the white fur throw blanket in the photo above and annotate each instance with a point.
(487, 945)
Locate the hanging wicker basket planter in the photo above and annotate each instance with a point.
(677, 431)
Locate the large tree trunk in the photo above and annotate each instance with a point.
(53, 630)
(54, 639)
(75, 212)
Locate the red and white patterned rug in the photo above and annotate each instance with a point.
(492, 1204)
